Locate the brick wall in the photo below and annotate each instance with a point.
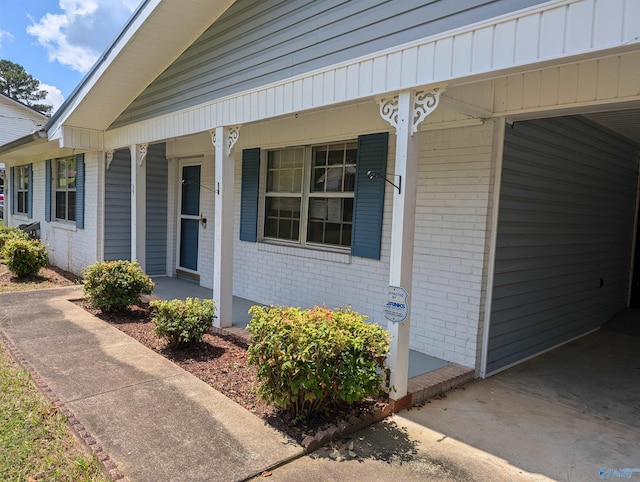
(454, 189)
(451, 219)
(69, 248)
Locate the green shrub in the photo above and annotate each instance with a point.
(25, 257)
(182, 322)
(311, 360)
(115, 285)
(8, 233)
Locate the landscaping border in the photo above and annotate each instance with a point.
(109, 467)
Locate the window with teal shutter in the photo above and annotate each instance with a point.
(318, 196)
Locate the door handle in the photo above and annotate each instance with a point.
(203, 221)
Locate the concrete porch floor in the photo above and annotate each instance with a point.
(425, 371)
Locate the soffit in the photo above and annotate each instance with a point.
(624, 122)
(148, 46)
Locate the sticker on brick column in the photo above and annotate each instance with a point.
(396, 309)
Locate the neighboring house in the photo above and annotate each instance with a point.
(16, 120)
(246, 145)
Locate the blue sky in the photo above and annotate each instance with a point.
(57, 41)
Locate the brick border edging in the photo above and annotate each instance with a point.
(345, 428)
(109, 467)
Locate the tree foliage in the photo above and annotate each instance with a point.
(16, 83)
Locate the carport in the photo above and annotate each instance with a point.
(562, 261)
(569, 414)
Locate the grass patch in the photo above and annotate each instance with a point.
(35, 440)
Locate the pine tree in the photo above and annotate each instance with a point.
(16, 83)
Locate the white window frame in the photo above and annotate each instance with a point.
(22, 189)
(305, 195)
(66, 190)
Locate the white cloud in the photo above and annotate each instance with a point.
(5, 35)
(82, 31)
(54, 96)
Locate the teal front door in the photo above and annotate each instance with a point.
(189, 223)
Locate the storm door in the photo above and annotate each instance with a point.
(189, 220)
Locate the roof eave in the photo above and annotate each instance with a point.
(36, 137)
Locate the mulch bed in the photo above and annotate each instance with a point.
(221, 362)
(48, 277)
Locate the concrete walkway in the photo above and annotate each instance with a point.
(156, 421)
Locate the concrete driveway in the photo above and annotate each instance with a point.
(572, 414)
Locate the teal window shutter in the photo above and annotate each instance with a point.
(80, 191)
(368, 208)
(30, 192)
(12, 189)
(47, 190)
(249, 195)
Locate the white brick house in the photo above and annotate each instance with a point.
(234, 152)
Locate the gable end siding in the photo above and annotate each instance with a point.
(257, 42)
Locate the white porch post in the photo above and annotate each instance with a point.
(405, 112)
(223, 138)
(138, 203)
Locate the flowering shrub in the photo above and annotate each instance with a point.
(310, 360)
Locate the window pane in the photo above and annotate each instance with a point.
(317, 179)
(332, 233)
(336, 155)
(282, 218)
(330, 221)
(190, 190)
(71, 173)
(271, 228)
(340, 175)
(284, 229)
(71, 211)
(23, 176)
(346, 235)
(320, 156)
(291, 158)
(284, 170)
(273, 160)
(352, 153)
(349, 178)
(61, 174)
(61, 204)
(318, 208)
(347, 210)
(315, 232)
(21, 203)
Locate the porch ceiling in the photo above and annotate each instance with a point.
(624, 122)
